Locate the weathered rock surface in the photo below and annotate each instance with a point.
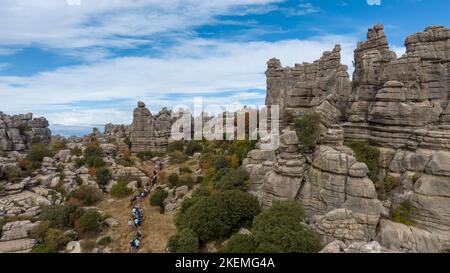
(20, 132)
(407, 239)
(148, 132)
(399, 104)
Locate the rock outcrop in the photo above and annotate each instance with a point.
(20, 132)
(398, 104)
(150, 132)
(15, 239)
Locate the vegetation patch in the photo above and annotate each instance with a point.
(158, 197)
(308, 130)
(120, 189)
(85, 196)
(218, 215)
(185, 241)
(369, 155)
(403, 213)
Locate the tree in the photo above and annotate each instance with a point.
(120, 189)
(86, 195)
(241, 243)
(369, 155)
(185, 241)
(103, 175)
(219, 215)
(158, 197)
(308, 130)
(280, 230)
(91, 221)
(193, 147)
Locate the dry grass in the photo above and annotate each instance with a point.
(157, 228)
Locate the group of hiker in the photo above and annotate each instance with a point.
(137, 214)
(137, 217)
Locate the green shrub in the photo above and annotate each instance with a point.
(240, 243)
(233, 179)
(221, 163)
(80, 162)
(173, 179)
(13, 174)
(93, 156)
(175, 146)
(403, 213)
(158, 197)
(124, 162)
(86, 195)
(416, 177)
(184, 242)
(288, 117)
(120, 189)
(76, 151)
(91, 221)
(145, 155)
(104, 241)
(95, 162)
(219, 215)
(390, 183)
(185, 170)
(177, 157)
(37, 154)
(61, 216)
(280, 230)
(193, 147)
(52, 242)
(92, 149)
(186, 180)
(103, 175)
(369, 155)
(308, 130)
(23, 128)
(38, 232)
(128, 142)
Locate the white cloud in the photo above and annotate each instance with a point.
(195, 66)
(108, 23)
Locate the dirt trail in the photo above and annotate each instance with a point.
(157, 228)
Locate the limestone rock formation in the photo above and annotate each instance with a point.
(307, 85)
(407, 239)
(148, 132)
(20, 132)
(398, 104)
(15, 237)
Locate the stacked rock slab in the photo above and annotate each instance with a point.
(20, 132)
(402, 103)
(309, 84)
(400, 106)
(148, 132)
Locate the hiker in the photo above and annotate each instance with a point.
(154, 180)
(130, 223)
(138, 233)
(137, 243)
(132, 245)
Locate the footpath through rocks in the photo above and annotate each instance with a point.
(157, 228)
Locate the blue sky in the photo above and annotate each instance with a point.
(88, 64)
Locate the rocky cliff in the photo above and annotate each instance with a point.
(20, 132)
(150, 132)
(401, 107)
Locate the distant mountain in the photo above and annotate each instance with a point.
(73, 130)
